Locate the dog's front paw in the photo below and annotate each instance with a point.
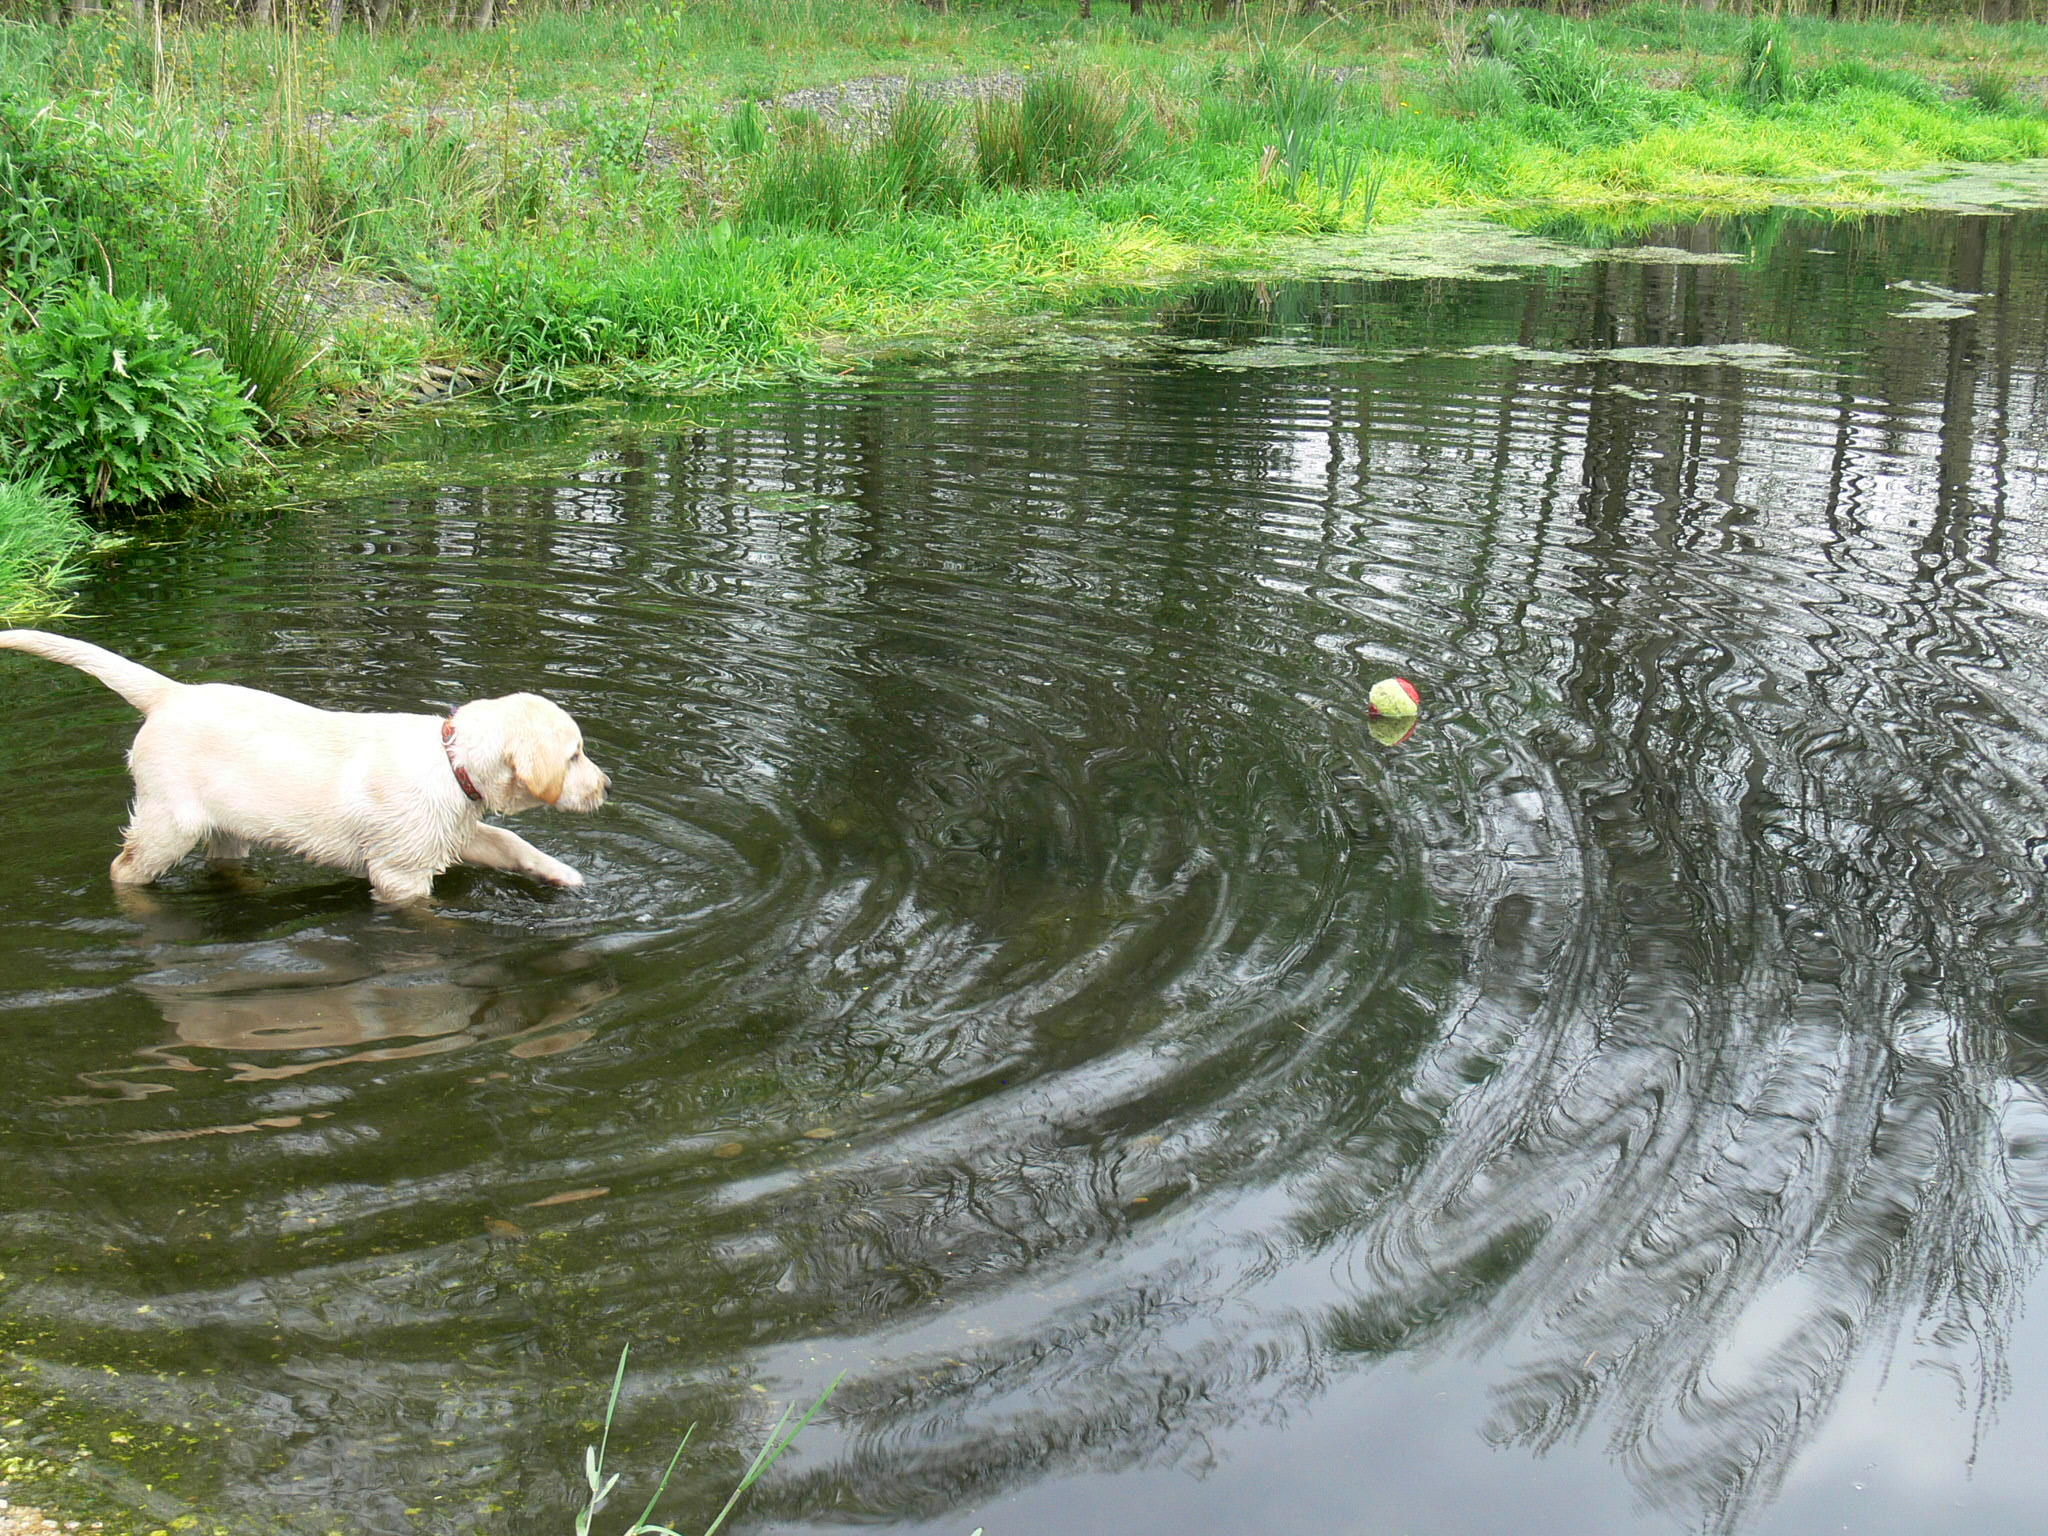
(561, 875)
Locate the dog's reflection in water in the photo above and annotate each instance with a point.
(349, 993)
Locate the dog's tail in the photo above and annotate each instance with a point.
(130, 679)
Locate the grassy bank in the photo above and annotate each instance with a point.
(666, 196)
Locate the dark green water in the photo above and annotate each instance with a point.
(1014, 975)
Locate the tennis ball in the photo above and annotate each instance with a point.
(1395, 697)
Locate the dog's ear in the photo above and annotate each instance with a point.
(538, 752)
(540, 767)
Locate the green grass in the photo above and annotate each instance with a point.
(582, 199)
(42, 536)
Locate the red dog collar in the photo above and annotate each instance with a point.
(461, 773)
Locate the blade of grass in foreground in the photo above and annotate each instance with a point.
(601, 1487)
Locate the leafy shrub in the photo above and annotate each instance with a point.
(75, 197)
(82, 202)
(1504, 35)
(615, 136)
(112, 401)
(1066, 130)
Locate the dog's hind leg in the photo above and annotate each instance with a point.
(158, 836)
(398, 885)
(224, 850)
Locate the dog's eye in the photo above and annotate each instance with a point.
(573, 756)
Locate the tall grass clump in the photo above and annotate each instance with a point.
(109, 400)
(1484, 87)
(241, 291)
(1557, 83)
(1067, 129)
(1292, 93)
(1992, 89)
(916, 163)
(1766, 64)
(1840, 77)
(1295, 102)
(811, 179)
(745, 131)
(41, 533)
(1504, 35)
(814, 179)
(1569, 74)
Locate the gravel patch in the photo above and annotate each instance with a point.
(20, 1520)
(859, 102)
(334, 293)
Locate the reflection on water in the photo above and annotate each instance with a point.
(1018, 972)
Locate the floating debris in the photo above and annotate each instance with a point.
(568, 1197)
(1935, 291)
(1937, 303)
(1758, 356)
(1673, 256)
(1272, 354)
(1934, 309)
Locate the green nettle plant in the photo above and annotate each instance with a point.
(110, 400)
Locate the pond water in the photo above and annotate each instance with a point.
(1017, 980)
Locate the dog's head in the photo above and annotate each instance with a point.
(523, 751)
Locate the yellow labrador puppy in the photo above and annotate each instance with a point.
(396, 797)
